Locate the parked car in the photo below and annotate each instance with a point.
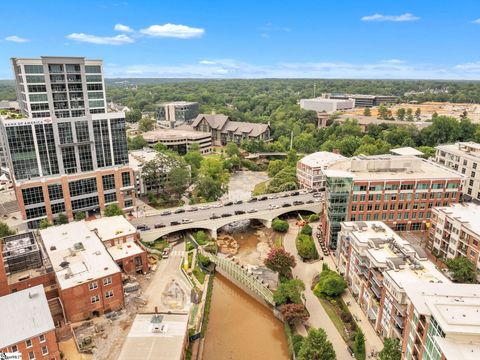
(298, 202)
(228, 203)
(273, 206)
(310, 201)
(226, 215)
(262, 198)
(239, 212)
(165, 213)
(285, 195)
(143, 227)
(158, 226)
(174, 223)
(214, 216)
(193, 209)
(186, 221)
(286, 205)
(317, 195)
(165, 253)
(238, 202)
(295, 193)
(179, 210)
(252, 211)
(252, 200)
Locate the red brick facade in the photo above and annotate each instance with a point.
(43, 347)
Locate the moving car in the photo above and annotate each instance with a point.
(226, 215)
(295, 193)
(252, 200)
(158, 226)
(298, 202)
(143, 227)
(310, 201)
(165, 253)
(186, 221)
(214, 216)
(317, 195)
(238, 202)
(252, 211)
(228, 203)
(273, 206)
(164, 213)
(193, 209)
(239, 212)
(262, 198)
(179, 210)
(174, 223)
(286, 205)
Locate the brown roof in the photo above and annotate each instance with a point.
(215, 121)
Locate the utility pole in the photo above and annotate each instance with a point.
(314, 89)
(291, 140)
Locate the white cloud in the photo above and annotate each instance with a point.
(101, 40)
(207, 62)
(396, 18)
(469, 67)
(123, 28)
(394, 61)
(17, 39)
(173, 30)
(476, 21)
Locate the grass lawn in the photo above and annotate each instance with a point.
(159, 244)
(279, 241)
(199, 274)
(260, 188)
(337, 321)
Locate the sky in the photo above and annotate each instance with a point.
(388, 39)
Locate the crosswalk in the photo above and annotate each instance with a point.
(177, 253)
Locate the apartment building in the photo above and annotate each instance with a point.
(463, 157)
(398, 190)
(173, 114)
(26, 326)
(88, 279)
(68, 154)
(455, 232)
(310, 169)
(443, 322)
(377, 263)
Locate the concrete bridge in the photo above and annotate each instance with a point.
(265, 216)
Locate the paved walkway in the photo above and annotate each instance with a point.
(318, 316)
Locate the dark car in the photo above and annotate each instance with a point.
(310, 201)
(165, 213)
(238, 202)
(143, 227)
(263, 198)
(286, 195)
(193, 209)
(158, 226)
(175, 223)
(178, 211)
(214, 216)
(321, 189)
(286, 205)
(295, 193)
(229, 203)
(298, 202)
(252, 200)
(226, 215)
(239, 212)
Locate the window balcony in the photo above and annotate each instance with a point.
(399, 320)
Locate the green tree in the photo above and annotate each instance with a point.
(316, 346)
(306, 230)
(5, 230)
(194, 159)
(160, 147)
(427, 151)
(305, 143)
(280, 261)
(44, 223)
(214, 168)
(178, 181)
(391, 350)
(367, 112)
(289, 292)
(382, 112)
(112, 210)
(210, 189)
(80, 215)
(463, 270)
(133, 116)
(146, 124)
(293, 312)
(330, 284)
(359, 345)
(136, 143)
(232, 149)
(201, 237)
(274, 167)
(418, 112)
(401, 114)
(409, 114)
(279, 225)
(306, 247)
(61, 219)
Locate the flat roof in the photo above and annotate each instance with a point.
(174, 134)
(108, 228)
(77, 254)
(124, 250)
(167, 344)
(407, 150)
(24, 314)
(139, 157)
(393, 167)
(458, 349)
(467, 213)
(462, 149)
(321, 159)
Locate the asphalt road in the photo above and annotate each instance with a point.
(205, 211)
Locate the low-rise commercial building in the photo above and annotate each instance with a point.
(327, 105)
(224, 130)
(157, 336)
(376, 263)
(180, 139)
(172, 114)
(398, 190)
(89, 281)
(361, 100)
(310, 169)
(455, 232)
(463, 157)
(26, 326)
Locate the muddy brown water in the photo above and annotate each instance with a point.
(240, 328)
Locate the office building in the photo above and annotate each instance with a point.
(224, 130)
(26, 326)
(68, 154)
(173, 114)
(180, 140)
(361, 100)
(455, 232)
(89, 281)
(463, 157)
(443, 322)
(327, 105)
(310, 169)
(398, 190)
(377, 263)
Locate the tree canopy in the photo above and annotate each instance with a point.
(112, 210)
(316, 346)
(289, 292)
(463, 270)
(330, 284)
(280, 261)
(391, 350)
(5, 230)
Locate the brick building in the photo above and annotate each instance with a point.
(89, 281)
(310, 169)
(398, 190)
(26, 326)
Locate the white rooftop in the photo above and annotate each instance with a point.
(109, 228)
(457, 349)
(123, 250)
(321, 159)
(24, 314)
(77, 254)
(144, 344)
(468, 214)
(407, 151)
(468, 148)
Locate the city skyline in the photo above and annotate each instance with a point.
(305, 39)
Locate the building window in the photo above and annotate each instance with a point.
(85, 203)
(95, 299)
(28, 343)
(42, 338)
(109, 294)
(82, 187)
(108, 182)
(128, 203)
(44, 350)
(107, 281)
(126, 179)
(92, 286)
(110, 198)
(14, 348)
(31, 355)
(55, 192)
(33, 195)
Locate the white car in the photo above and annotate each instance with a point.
(273, 206)
(186, 221)
(217, 205)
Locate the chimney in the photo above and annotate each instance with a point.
(336, 151)
(156, 310)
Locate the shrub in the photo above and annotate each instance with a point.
(306, 229)
(359, 345)
(297, 342)
(201, 237)
(203, 260)
(313, 217)
(306, 247)
(293, 312)
(189, 246)
(289, 292)
(280, 225)
(330, 284)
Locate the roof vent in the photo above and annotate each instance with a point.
(64, 264)
(53, 248)
(32, 295)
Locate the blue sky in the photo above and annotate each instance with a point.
(425, 39)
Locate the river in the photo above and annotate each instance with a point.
(240, 328)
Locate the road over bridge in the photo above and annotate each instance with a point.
(213, 218)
